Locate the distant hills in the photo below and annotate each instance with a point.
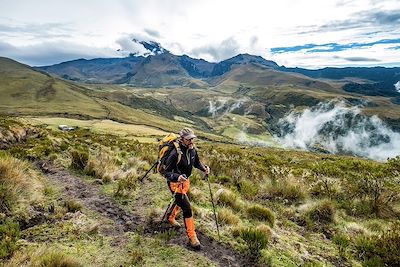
(164, 69)
(172, 89)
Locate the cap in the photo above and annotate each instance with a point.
(187, 133)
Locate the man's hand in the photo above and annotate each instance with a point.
(207, 171)
(182, 178)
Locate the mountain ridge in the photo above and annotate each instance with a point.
(164, 69)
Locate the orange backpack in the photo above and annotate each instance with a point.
(165, 147)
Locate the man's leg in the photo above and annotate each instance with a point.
(183, 202)
(172, 215)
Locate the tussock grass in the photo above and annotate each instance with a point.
(248, 189)
(72, 205)
(19, 185)
(9, 234)
(288, 190)
(382, 249)
(261, 213)
(227, 217)
(227, 198)
(51, 257)
(255, 239)
(79, 159)
(322, 213)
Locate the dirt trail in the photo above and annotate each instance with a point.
(91, 197)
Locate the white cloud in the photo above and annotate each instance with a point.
(397, 86)
(205, 28)
(338, 128)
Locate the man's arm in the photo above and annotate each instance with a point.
(197, 164)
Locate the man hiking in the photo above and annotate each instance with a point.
(177, 175)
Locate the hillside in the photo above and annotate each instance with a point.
(28, 92)
(101, 70)
(75, 199)
(248, 104)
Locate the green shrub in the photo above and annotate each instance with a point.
(248, 189)
(14, 183)
(79, 159)
(55, 259)
(224, 179)
(375, 184)
(381, 248)
(228, 199)
(226, 216)
(261, 213)
(126, 184)
(72, 205)
(325, 187)
(323, 213)
(9, 234)
(291, 192)
(394, 164)
(255, 239)
(342, 241)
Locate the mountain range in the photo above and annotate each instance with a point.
(163, 69)
(245, 93)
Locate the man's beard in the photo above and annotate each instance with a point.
(191, 146)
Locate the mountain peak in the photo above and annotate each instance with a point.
(152, 47)
(247, 58)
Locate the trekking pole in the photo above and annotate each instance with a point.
(212, 201)
(144, 176)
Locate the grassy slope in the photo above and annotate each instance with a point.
(294, 185)
(25, 91)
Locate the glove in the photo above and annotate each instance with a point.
(182, 178)
(207, 171)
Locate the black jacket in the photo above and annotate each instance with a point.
(189, 159)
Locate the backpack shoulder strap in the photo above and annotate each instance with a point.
(179, 152)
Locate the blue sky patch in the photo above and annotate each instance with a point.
(331, 47)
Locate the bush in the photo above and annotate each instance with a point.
(248, 189)
(226, 216)
(261, 213)
(224, 179)
(325, 187)
(290, 191)
(126, 184)
(228, 199)
(13, 183)
(342, 241)
(255, 239)
(79, 159)
(9, 234)
(323, 213)
(383, 248)
(55, 259)
(72, 205)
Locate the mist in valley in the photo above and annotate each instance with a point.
(337, 128)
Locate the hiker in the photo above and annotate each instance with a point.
(178, 179)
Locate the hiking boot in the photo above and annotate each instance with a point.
(172, 216)
(174, 223)
(195, 243)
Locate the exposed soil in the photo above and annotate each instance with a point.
(91, 197)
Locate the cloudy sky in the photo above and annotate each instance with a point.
(294, 33)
